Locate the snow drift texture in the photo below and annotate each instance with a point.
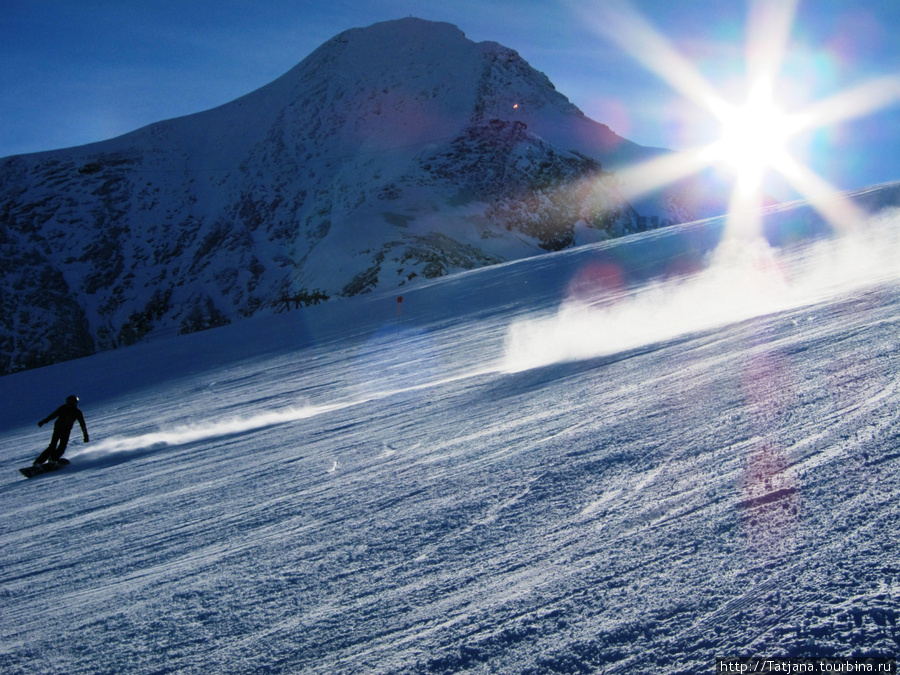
(537, 469)
(391, 154)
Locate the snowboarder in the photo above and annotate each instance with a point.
(65, 416)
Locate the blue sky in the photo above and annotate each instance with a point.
(83, 71)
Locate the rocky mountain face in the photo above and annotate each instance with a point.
(394, 153)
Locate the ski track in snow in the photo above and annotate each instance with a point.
(437, 501)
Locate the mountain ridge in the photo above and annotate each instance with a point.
(391, 153)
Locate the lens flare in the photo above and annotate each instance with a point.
(755, 136)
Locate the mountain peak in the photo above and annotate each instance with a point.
(406, 30)
(392, 153)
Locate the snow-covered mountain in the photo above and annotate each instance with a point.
(590, 461)
(394, 153)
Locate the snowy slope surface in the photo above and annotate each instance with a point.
(628, 457)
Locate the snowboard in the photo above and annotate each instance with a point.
(32, 471)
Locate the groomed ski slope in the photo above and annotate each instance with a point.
(630, 457)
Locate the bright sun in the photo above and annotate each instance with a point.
(753, 138)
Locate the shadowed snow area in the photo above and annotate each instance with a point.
(629, 457)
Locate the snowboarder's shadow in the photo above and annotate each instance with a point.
(88, 459)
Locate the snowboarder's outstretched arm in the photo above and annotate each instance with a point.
(51, 416)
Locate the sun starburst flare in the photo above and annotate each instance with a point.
(755, 135)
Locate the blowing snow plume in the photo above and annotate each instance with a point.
(741, 280)
(184, 434)
(190, 433)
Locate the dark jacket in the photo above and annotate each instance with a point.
(66, 415)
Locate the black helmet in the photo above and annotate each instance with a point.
(72, 400)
